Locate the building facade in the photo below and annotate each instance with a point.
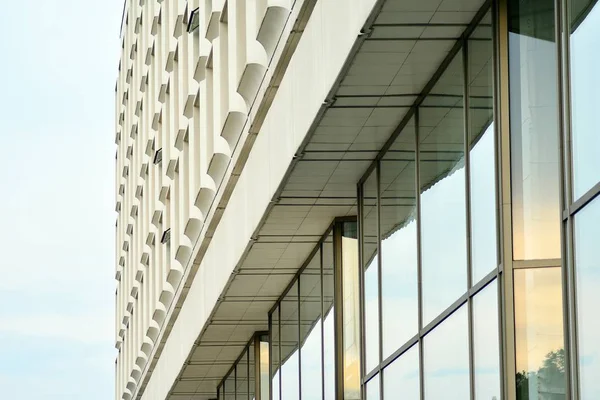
(358, 199)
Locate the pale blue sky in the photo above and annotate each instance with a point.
(59, 64)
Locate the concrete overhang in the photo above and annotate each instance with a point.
(392, 60)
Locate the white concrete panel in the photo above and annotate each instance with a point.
(270, 157)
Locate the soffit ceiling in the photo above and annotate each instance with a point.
(408, 42)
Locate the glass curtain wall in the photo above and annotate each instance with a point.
(536, 199)
(241, 382)
(308, 361)
(583, 211)
(429, 242)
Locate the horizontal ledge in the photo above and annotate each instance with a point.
(426, 24)
(423, 39)
(370, 106)
(432, 39)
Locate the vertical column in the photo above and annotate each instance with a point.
(506, 297)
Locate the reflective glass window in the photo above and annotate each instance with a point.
(534, 130)
(252, 372)
(446, 359)
(399, 283)
(310, 329)
(585, 85)
(539, 340)
(587, 272)
(372, 389)
(241, 378)
(401, 377)
(264, 368)
(441, 134)
(229, 387)
(482, 149)
(275, 355)
(370, 266)
(328, 321)
(290, 367)
(351, 327)
(486, 344)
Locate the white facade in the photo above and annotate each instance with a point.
(211, 129)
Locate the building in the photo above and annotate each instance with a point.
(377, 199)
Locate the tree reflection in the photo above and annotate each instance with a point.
(547, 383)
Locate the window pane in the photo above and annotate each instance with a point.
(350, 290)
(290, 377)
(587, 271)
(534, 130)
(442, 181)
(446, 359)
(328, 331)
(230, 387)
(275, 353)
(310, 329)
(400, 320)
(252, 372)
(264, 368)
(585, 84)
(482, 151)
(241, 378)
(486, 346)
(373, 389)
(539, 333)
(401, 378)
(371, 267)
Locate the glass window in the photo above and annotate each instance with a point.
(539, 333)
(328, 322)
(264, 368)
(534, 130)
(351, 326)
(310, 329)
(275, 354)
(241, 378)
(585, 84)
(370, 265)
(290, 367)
(252, 372)
(229, 388)
(446, 359)
(401, 378)
(399, 277)
(373, 389)
(442, 181)
(482, 150)
(486, 344)
(587, 273)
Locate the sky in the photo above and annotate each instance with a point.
(59, 61)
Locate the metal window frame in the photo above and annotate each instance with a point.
(195, 13)
(503, 176)
(570, 205)
(250, 346)
(495, 274)
(334, 230)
